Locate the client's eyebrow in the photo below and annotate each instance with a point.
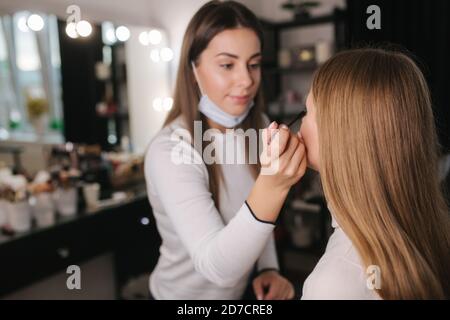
(234, 56)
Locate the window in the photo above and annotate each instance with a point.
(30, 78)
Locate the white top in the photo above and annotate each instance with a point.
(339, 274)
(206, 253)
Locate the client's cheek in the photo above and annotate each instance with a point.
(304, 132)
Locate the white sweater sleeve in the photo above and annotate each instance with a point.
(221, 253)
(268, 258)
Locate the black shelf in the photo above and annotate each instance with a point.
(116, 228)
(291, 70)
(330, 18)
(273, 72)
(123, 115)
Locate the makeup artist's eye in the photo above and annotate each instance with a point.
(227, 66)
(255, 65)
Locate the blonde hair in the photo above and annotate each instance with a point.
(378, 165)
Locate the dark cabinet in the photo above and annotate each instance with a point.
(127, 230)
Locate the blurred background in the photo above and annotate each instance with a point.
(85, 86)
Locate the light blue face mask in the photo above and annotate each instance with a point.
(214, 112)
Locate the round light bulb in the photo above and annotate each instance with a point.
(166, 54)
(22, 24)
(167, 103)
(143, 38)
(110, 36)
(35, 22)
(71, 30)
(154, 36)
(122, 33)
(154, 55)
(84, 28)
(4, 134)
(112, 139)
(157, 104)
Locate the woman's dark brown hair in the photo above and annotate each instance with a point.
(211, 19)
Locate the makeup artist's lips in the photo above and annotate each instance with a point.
(240, 99)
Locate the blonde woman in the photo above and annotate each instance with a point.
(369, 131)
(216, 220)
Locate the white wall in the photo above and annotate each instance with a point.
(174, 16)
(127, 12)
(147, 80)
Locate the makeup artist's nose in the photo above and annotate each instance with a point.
(244, 78)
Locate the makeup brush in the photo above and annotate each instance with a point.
(297, 117)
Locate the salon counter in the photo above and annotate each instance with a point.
(126, 229)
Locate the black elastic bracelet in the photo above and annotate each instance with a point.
(254, 216)
(268, 269)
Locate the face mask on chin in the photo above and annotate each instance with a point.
(211, 110)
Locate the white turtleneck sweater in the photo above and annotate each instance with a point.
(339, 274)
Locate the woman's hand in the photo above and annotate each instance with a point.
(283, 159)
(277, 286)
(283, 163)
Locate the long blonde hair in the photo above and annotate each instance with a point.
(211, 19)
(378, 165)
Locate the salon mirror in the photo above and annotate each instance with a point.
(63, 79)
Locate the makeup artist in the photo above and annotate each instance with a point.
(216, 220)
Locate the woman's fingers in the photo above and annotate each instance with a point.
(289, 291)
(303, 165)
(285, 293)
(268, 133)
(265, 153)
(270, 138)
(296, 160)
(285, 153)
(274, 291)
(258, 288)
(271, 130)
(290, 150)
(278, 141)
